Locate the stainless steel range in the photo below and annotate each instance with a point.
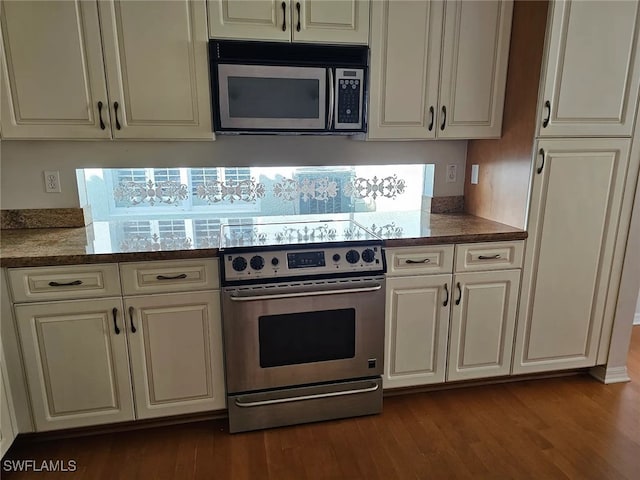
(303, 320)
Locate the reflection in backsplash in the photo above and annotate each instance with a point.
(218, 192)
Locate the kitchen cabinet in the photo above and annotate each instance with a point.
(326, 21)
(88, 361)
(483, 320)
(76, 362)
(417, 328)
(576, 197)
(590, 90)
(438, 69)
(8, 429)
(78, 70)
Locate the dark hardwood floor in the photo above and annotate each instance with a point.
(571, 427)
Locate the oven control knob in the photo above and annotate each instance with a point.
(239, 264)
(336, 257)
(275, 261)
(257, 262)
(368, 255)
(353, 256)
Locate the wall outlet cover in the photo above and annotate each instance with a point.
(475, 171)
(452, 173)
(52, 181)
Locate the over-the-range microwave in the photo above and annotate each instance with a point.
(269, 87)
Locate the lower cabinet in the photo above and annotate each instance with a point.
(88, 362)
(483, 320)
(417, 328)
(76, 361)
(175, 346)
(7, 424)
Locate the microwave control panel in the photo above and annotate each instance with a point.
(349, 98)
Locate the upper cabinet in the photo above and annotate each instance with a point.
(438, 69)
(326, 21)
(87, 70)
(593, 61)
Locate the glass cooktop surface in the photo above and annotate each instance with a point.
(293, 233)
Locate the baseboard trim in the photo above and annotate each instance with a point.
(636, 319)
(610, 375)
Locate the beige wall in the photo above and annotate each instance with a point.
(22, 162)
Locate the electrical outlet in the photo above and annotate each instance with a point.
(452, 173)
(52, 182)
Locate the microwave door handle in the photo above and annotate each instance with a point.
(332, 99)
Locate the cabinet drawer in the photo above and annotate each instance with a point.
(169, 276)
(473, 257)
(67, 282)
(418, 260)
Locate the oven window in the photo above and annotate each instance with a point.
(306, 337)
(254, 97)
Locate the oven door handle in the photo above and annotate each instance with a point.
(262, 403)
(309, 293)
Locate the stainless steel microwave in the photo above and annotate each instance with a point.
(263, 87)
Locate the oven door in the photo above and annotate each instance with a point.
(261, 97)
(283, 335)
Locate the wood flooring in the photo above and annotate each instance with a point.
(570, 427)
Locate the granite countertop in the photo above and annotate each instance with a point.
(179, 238)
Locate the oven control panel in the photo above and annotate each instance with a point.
(272, 265)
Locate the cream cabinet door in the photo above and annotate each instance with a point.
(53, 80)
(475, 55)
(250, 19)
(405, 66)
(573, 219)
(76, 362)
(330, 21)
(417, 327)
(483, 320)
(158, 76)
(591, 86)
(176, 353)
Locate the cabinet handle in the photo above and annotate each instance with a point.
(70, 284)
(115, 109)
(459, 293)
(298, 10)
(175, 277)
(133, 327)
(446, 300)
(115, 321)
(102, 126)
(545, 122)
(284, 17)
(432, 116)
(489, 257)
(444, 117)
(541, 152)
(425, 260)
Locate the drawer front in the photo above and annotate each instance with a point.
(66, 282)
(473, 257)
(419, 260)
(169, 276)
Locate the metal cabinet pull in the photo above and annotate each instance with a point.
(424, 260)
(446, 300)
(115, 109)
(284, 17)
(432, 117)
(115, 320)
(133, 327)
(298, 10)
(70, 284)
(541, 152)
(459, 293)
(489, 257)
(102, 125)
(444, 117)
(175, 277)
(545, 122)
